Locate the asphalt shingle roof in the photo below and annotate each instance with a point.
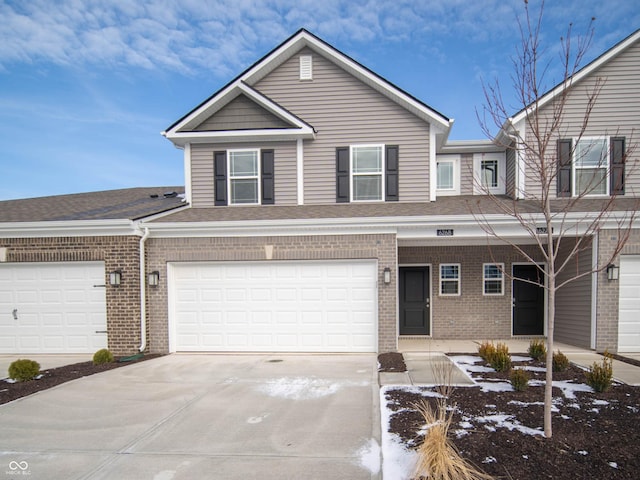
(129, 203)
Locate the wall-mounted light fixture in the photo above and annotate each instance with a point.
(613, 272)
(387, 275)
(153, 278)
(115, 278)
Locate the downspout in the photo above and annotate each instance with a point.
(143, 294)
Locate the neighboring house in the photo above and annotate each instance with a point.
(56, 257)
(328, 212)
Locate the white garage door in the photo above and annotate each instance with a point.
(319, 306)
(629, 306)
(52, 307)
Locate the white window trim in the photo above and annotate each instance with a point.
(606, 166)
(455, 160)
(478, 189)
(383, 165)
(458, 280)
(230, 178)
(485, 279)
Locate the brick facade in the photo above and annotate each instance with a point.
(471, 315)
(117, 253)
(322, 247)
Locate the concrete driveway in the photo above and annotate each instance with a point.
(202, 416)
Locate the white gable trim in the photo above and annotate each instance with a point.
(299, 128)
(584, 72)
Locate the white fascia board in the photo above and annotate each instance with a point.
(584, 72)
(305, 40)
(182, 138)
(423, 227)
(471, 146)
(71, 228)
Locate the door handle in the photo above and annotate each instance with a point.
(15, 313)
(428, 302)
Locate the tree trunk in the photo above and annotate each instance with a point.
(548, 386)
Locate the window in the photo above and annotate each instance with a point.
(244, 176)
(590, 165)
(450, 279)
(367, 167)
(490, 172)
(448, 182)
(493, 280)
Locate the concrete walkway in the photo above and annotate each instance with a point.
(425, 359)
(183, 417)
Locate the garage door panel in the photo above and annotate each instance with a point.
(629, 304)
(277, 306)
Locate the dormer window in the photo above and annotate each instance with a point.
(489, 173)
(306, 67)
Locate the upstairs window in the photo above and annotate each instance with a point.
(591, 166)
(366, 173)
(450, 279)
(244, 177)
(448, 176)
(489, 173)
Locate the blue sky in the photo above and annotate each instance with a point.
(86, 86)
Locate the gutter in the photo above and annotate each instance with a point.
(143, 294)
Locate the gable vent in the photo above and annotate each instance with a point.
(306, 67)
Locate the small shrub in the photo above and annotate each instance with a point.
(24, 369)
(102, 356)
(537, 350)
(600, 375)
(519, 379)
(500, 361)
(560, 362)
(486, 351)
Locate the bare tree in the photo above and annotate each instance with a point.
(552, 211)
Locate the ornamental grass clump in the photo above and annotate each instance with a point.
(600, 375)
(438, 457)
(486, 351)
(560, 362)
(102, 356)
(537, 350)
(23, 370)
(519, 379)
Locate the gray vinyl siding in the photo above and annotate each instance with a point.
(345, 111)
(241, 113)
(466, 174)
(510, 180)
(202, 171)
(616, 112)
(573, 301)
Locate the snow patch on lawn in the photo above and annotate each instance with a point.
(397, 462)
(508, 422)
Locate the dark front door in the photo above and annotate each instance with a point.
(414, 300)
(528, 301)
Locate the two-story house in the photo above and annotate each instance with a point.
(329, 212)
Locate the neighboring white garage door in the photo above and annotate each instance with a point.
(629, 306)
(52, 307)
(311, 306)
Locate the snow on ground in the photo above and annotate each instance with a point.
(303, 388)
(370, 456)
(397, 461)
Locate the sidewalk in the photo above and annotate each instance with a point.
(421, 356)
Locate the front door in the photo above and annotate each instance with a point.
(414, 301)
(528, 301)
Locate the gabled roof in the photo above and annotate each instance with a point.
(585, 71)
(125, 204)
(283, 52)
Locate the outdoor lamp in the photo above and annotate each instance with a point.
(387, 275)
(153, 279)
(613, 272)
(115, 278)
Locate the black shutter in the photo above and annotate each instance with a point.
(617, 165)
(563, 179)
(268, 188)
(342, 175)
(220, 177)
(391, 173)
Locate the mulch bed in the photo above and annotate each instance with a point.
(595, 436)
(56, 376)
